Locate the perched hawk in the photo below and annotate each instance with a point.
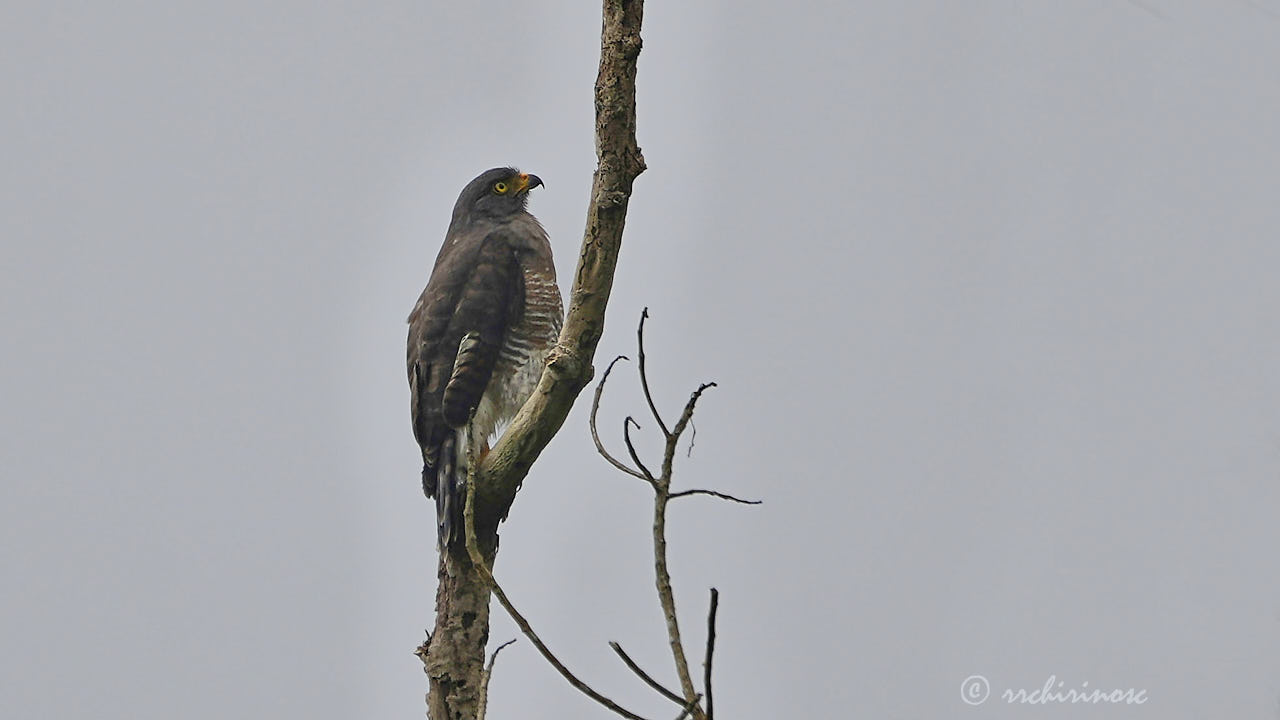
(480, 332)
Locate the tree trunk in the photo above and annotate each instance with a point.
(455, 654)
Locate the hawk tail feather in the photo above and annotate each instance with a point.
(428, 480)
(449, 486)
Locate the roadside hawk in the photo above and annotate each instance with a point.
(480, 332)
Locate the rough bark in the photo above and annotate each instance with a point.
(454, 654)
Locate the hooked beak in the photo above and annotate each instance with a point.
(526, 182)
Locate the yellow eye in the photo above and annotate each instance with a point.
(500, 187)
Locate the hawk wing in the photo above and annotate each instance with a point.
(456, 333)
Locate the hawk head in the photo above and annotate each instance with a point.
(497, 194)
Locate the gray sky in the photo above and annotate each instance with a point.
(989, 288)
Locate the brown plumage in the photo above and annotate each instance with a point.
(480, 332)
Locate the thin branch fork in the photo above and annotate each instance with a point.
(672, 437)
(692, 701)
(482, 568)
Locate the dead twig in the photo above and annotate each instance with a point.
(711, 649)
(662, 690)
(644, 376)
(687, 415)
(595, 433)
(484, 680)
(713, 493)
(663, 495)
(631, 449)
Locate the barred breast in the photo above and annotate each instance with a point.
(524, 351)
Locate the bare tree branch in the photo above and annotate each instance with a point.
(687, 415)
(484, 680)
(662, 690)
(482, 568)
(713, 493)
(662, 496)
(595, 433)
(631, 449)
(691, 700)
(661, 573)
(644, 375)
(711, 649)
(662, 579)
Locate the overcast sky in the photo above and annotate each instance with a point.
(989, 287)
